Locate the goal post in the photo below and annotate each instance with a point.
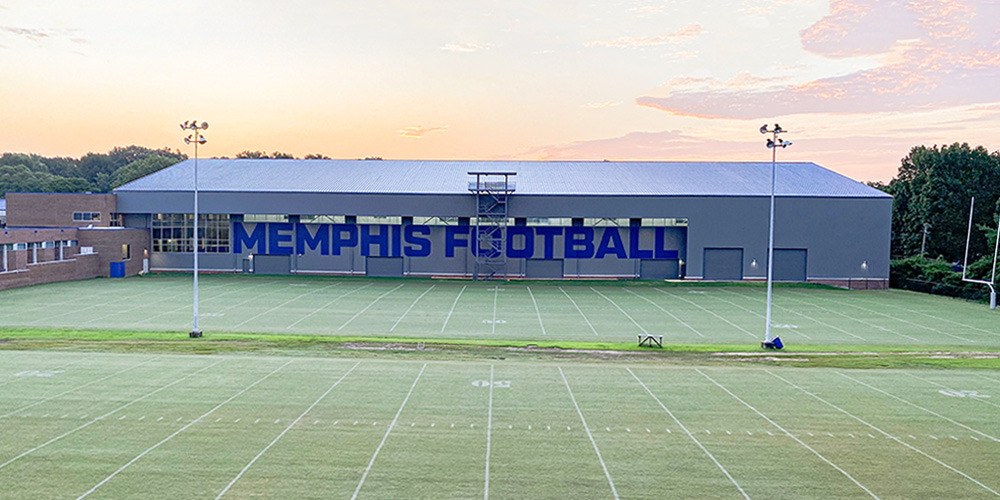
(965, 262)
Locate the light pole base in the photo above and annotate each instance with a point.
(774, 343)
(195, 334)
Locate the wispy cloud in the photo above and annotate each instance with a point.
(688, 32)
(42, 36)
(597, 105)
(418, 131)
(936, 54)
(32, 34)
(466, 47)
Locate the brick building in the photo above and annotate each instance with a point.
(60, 237)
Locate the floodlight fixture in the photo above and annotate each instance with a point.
(773, 144)
(197, 139)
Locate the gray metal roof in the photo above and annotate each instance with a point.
(601, 178)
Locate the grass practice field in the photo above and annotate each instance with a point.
(577, 311)
(92, 425)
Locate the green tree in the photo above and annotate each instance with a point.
(934, 186)
(142, 168)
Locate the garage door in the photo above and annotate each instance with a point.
(789, 264)
(724, 264)
(272, 264)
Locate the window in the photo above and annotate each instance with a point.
(116, 219)
(320, 219)
(175, 233)
(126, 252)
(264, 218)
(664, 222)
(87, 216)
(379, 219)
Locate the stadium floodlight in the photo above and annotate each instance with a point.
(773, 144)
(965, 263)
(197, 139)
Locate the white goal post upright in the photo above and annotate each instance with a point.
(965, 263)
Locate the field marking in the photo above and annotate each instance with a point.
(759, 315)
(581, 314)
(873, 325)
(452, 310)
(32, 405)
(328, 304)
(178, 431)
(894, 318)
(411, 308)
(188, 306)
(61, 367)
(362, 311)
(932, 412)
(810, 318)
(99, 304)
(268, 447)
(789, 434)
(386, 436)
(977, 398)
(106, 316)
(738, 327)
(108, 414)
(622, 310)
(690, 435)
(496, 294)
(489, 432)
(886, 434)
(589, 435)
(943, 319)
(693, 329)
(537, 312)
(283, 304)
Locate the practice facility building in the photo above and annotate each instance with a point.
(490, 219)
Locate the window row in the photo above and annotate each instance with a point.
(175, 233)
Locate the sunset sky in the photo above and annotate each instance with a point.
(857, 83)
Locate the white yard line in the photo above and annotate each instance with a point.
(690, 435)
(693, 329)
(591, 436)
(981, 400)
(359, 313)
(452, 310)
(328, 304)
(886, 434)
(627, 315)
(268, 447)
(537, 312)
(848, 316)
(61, 367)
(178, 431)
(789, 434)
(810, 318)
(943, 319)
(394, 325)
(734, 325)
(115, 374)
(188, 305)
(386, 436)
(146, 305)
(496, 294)
(108, 414)
(283, 304)
(759, 315)
(49, 316)
(489, 432)
(921, 408)
(894, 318)
(579, 310)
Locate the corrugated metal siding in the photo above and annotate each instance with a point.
(533, 178)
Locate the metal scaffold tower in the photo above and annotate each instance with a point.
(492, 190)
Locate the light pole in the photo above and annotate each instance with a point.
(773, 144)
(197, 139)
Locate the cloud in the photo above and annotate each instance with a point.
(465, 47)
(596, 105)
(43, 36)
(688, 32)
(936, 54)
(32, 34)
(418, 131)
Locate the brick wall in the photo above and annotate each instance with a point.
(56, 209)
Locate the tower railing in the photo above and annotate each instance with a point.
(492, 191)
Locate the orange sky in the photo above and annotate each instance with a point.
(857, 83)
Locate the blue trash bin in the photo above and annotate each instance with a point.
(117, 270)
